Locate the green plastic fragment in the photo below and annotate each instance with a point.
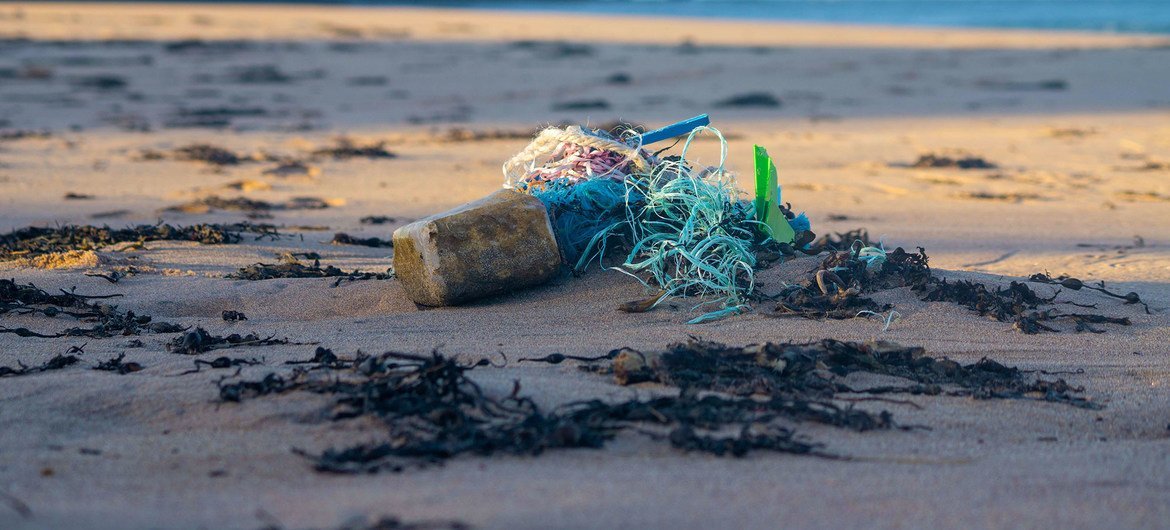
(768, 200)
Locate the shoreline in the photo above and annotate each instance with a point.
(115, 21)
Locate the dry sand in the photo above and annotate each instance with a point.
(1078, 124)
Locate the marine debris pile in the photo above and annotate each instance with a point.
(682, 229)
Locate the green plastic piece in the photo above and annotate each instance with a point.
(768, 200)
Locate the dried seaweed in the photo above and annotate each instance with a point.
(222, 362)
(233, 316)
(214, 155)
(58, 362)
(345, 148)
(341, 238)
(840, 241)
(959, 161)
(244, 204)
(291, 267)
(729, 401)
(36, 241)
(803, 370)
(109, 321)
(198, 340)
(377, 220)
(1074, 284)
(837, 288)
(115, 364)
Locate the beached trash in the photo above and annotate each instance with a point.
(683, 228)
(496, 244)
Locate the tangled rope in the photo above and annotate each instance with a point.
(575, 154)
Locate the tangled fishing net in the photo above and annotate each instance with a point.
(682, 226)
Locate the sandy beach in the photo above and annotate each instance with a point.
(96, 102)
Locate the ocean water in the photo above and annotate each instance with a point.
(1126, 16)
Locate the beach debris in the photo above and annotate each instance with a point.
(1042, 85)
(712, 398)
(813, 369)
(768, 199)
(233, 316)
(220, 363)
(377, 220)
(109, 321)
(956, 160)
(682, 227)
(243, 204)
(1073, 284)
(198, 340)
(293, 168)
(837, 288)
(75, 196)
(582, 104)
(58, 362)
(1001, 197)
(211, 154)
(115, 364)
(345, 148)
(36, 241)
(497, 244)
(290, 266)
(342, 238)
(750, 100)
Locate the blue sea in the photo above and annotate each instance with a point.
(1126, 16)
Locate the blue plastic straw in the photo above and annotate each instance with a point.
(677, 129)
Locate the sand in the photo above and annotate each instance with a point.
(1077, 124)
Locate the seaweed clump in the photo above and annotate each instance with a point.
(109, 321)
(36, 241)
(291, 267)
(725, 400)
(58, 362)
(837, 289)
(198, 340)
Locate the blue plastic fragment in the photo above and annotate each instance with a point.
(677, 129)
(800, 223)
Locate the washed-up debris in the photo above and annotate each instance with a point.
(345, 148)
(56, 363)
(1002, 197)
(840, 241)
(214, 155)
(582, 104)
(291, 267)
(958, 160)
(35, 241)
(681, 227)
(1074, 284)
(1044, 85)
(728, 400)
(74, 196)
(233, 316)
(24, 134)
(293, 168)
(341, 238)
(496, 244)
(377, 220)
(109, 321)
(222, 362)
(837, 289)
(817, 370)
(750, 100)
(198, 340)
(244, 204)
(115, 364)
